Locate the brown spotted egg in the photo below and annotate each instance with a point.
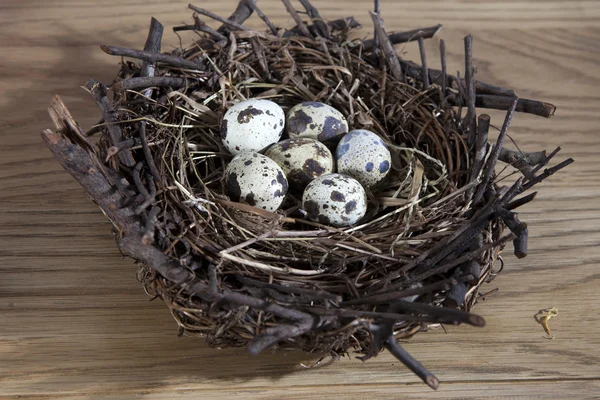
(302, 160)
(256, 180)
(364, 156)
(252, 125)
(317, 121)
(335, 199)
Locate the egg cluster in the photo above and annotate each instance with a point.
(302, 163)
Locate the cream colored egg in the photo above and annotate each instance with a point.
(316, 121)
(335, 199)
(302, 160)
(256, 180)
(364, 156)
(252, 125)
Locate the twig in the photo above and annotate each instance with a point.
(335, 25)
(203, 27)
(148, 236)
(387, 47)
(98, 92)
(493, 158)
(313, 13)
(546, 160)
(394, 295)
(405, 37)
(416, 367)
(146, 82)
(424, 63)
(455, 297)
(534, 107)
(547, 172)
(153, 44)
(481, 146)
(444, 72)
(150, 57)
(441, 312)
(316, 294)
(470, 82)
(299, 23)
(242, 13)
(148, 153)
(267, 21)
(520, 201)
(126, 144)
(216, 17)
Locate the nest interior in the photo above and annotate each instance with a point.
(239, 275)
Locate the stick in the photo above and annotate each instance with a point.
(299, 23)
(405, 37)
(267, 21)
(216, 17)
(481, 145)
(521, 201)
(335, 25)
(387, 47)
(146, 82)
(148, 153)
(444, 72)
(424, 63)
(201, 26)
(416, 367)
(150, 57)
(394, 295)
(493, 158)
(534, 107)
(153, 44)
(98, 92)
(470, 82)
(242, 13)
(313, 13)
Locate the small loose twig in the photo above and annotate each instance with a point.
(405, 37)
(470, 82)
(216, 17)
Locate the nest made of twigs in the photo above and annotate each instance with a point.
(240, 275)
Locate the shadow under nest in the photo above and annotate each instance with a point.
(240, 275)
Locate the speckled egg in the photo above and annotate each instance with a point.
(302, 160)
(252, 125)
(364, 156)
(316, 121)
(335, 199)
(256, 180)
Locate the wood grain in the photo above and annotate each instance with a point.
(76, 324)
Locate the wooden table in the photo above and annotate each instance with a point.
(75, 323)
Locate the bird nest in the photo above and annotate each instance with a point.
(240, 275)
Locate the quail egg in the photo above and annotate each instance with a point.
(335, 199)
(252, 125)
(364, 156)
(317, 121)
(256, 180)
(302, 160)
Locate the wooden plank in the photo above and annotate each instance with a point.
(76, 323)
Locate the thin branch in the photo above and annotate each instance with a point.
(216, 17)
(405, 37)
(314, 15)
(242, 13)
(493, 158)
(387, 47)
(521, 201)
(444, 71)
(424, 63)
(267, 21)
(99, 94)
(146, 82)
(150, 57)
(203, 27)
(153, 45)
(416, 367)
(148, 153)
(299, 23)
(481, 146)
(470, 82)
